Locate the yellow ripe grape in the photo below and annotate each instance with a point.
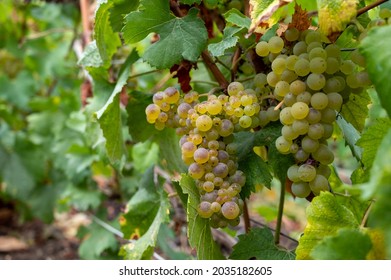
(214, 107)
(300, 110)
(234, 88)
(163, 117)
(201, 155)
(238, 112)
(246, 100)
(196, 171)
(249, 110)
(152, 111)
(276, 44)
(262, 49)
(171, 95)
(245, 121)
(235, 102)
(188, 148)
(201, 108)
(158, 98)
(196, 139)
(204, 123)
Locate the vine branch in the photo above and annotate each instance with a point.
(214, 69)
(370, 6)
(280, 214)
(246, 217)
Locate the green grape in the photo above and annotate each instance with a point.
(363, 79)
(351, 81)
(293, 173)
(301, 155)
(316, 131)
(246, 100)
(272, 114)
(318, 65)
(291, 61)
(294, 148)
(250, 110)
(300, 110)
(226, 128)
(335, 100)
(297, 87)
(262, 49)
(260, 80)
(232, 148)
(263, 118)
(152, 111)
(214, 107)
(314, 45)
(204, 123)
(314, 116)
(276, 44)
(272, 79)
(188, 148)
(317, 52)
(245, 121)
(299, 48)
(288, 133)
(302, 67)
(171, 95)
(201, 155)
(316, 81)
(230, 210)
(323, 170)
(159, 125)
(288, 76)
(283, 145)
(309, 145)
(286, 117)
(319, 184)
(300, 126)
(332, 65)
(323, 155)
(328, 115)
(204, 209)
(319, 101)
(347, 67)
(313, 36)
(358, 58)
(385, 13)
(301, 189)
(333, 50)
(281, 88)
(328, 130)
(278, 65)
(292, 34)
(234, 88)
(306, 172)
(289, 99)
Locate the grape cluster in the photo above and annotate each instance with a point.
(206, 128)
(312, 82)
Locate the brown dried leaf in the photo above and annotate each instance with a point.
(183, 74)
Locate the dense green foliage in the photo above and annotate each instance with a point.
(75, 135)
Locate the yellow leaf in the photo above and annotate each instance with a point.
(335, 14)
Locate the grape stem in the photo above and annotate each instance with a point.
(272, 229)
(279, 105)
(246, 217)
(366, 214)
(217, 74)
(280, 214)
(370, 6)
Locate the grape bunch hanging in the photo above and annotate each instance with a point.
(306, 86)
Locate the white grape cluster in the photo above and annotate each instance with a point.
(312, 82)
(206, 124)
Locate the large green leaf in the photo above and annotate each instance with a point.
(325, 217)
(198, 229)
(376, 49)
(107, 41)
(228, 41)
(355, 111)
(259, 244)
(146, 212)
(109, 116)
(351, 135)
(347, 244)
(180, 38)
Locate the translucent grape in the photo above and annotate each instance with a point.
(332, 65)
(278, 65)
(299, 48)
(323, 155)
(214, 107)
(347, 67)
(245, 121)
(318, 65)
(314, 116)
(272, 114)
(302, 67)
(316, 81)
(300, 110)
(204, 123)
(260, 80)
(286, 117)
(234, 88)
(204, 209)
(281, 88)
(319, 184)
(293, 173)
(317, 52)
(152, 111)
(196, 171)
(306, 172)
(335, 101)
(272, 79)
(171, 95)
(275, 44)
(301, 189)
(319, 101)
(297, 87)
(312, 36)
(283, 144)
(226, 128)
(292, 34)
(288, 132)
(316, 131)
(188, 149)
(201, 155)
(309, 145)
(230, 210)
(262, 49)
(300, 126)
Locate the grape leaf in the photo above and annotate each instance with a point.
(90, 56)
(257, 173)
(347, 244)
(190, 2)
(109, 116)
(264, 11)
(371, 139)
(198, 231)
(355, 111)
(307, 5)
(325, 216)
(228, 41)
(180, 38)
(235, 17)
(259, 244)
(335, 14)
(146, 212)
(378, 62)
(351, 136)
(118, 12)
(144, 154)
(106, 40)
